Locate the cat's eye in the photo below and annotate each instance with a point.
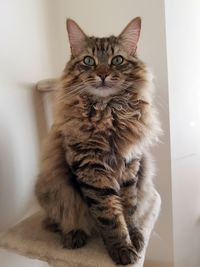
(117, 60)
(89, 61)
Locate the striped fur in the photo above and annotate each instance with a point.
(94, 169)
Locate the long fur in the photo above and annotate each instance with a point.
(95, 167)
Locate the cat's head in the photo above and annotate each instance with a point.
(103, 66)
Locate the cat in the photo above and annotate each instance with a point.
(96, 167)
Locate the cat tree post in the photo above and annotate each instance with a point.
(29, 239)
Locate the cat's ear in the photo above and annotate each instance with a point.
(130, 35)
(76, 37)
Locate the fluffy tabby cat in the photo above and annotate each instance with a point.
(95, 164)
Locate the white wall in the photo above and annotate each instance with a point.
(24, 59)
(35, 46)
(183, 48)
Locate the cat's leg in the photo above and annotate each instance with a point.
(129, 200)
(65, 209)
(101, 193)
(128, 193)
(74, 218)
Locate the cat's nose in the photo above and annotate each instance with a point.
(103, 76)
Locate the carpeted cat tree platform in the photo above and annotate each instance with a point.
(28, 238)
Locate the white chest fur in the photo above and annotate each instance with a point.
(133, 153)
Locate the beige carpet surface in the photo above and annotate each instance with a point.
(29, 239)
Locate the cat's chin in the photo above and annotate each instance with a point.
(102, 91)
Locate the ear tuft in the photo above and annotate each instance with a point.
(76, 36)
(130, 35)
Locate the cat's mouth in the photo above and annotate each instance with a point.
(101, 90)
(103, 85)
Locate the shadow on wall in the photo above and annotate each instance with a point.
(17, 201)
(8, 178)
(156, 264)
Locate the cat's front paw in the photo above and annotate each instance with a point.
(137, 239)
(123, 255)
(74, 239)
